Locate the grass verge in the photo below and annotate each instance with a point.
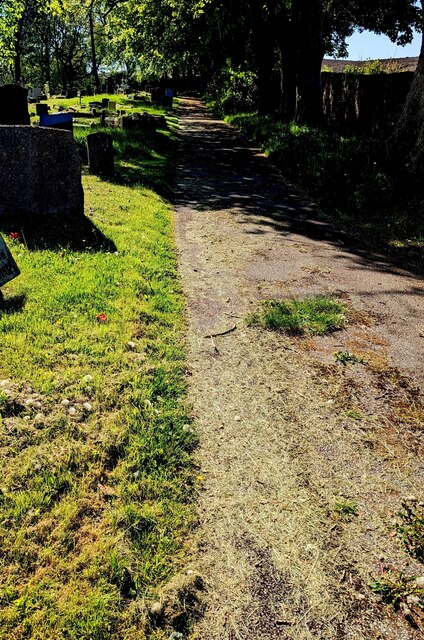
(349, 179)
(311, 316)
(97, 476)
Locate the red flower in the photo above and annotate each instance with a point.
(15, 235)
(102, 317)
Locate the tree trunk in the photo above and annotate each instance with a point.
(94, 70)
(308, 20)
(407, 142)
(268, 85)
(287, 47)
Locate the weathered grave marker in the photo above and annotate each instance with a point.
(42, 108)
(13, 105)
(100, 154)
(8, 267)
(40, 173)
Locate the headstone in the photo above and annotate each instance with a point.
(40, 173)
(112, 106)
(13, 105)
(71, 93)
(57, 121)
(100, 154)
(167, 101)
(8, 267)
(42, 108)
(105, 103)
(35, 92)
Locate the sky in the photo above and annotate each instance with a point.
(367, 45)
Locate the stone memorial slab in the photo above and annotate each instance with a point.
(8, 267)
(13, 105)
(40, 173)
(100, 154)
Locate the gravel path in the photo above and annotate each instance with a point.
(285, 431)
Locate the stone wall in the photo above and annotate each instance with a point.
(364, 104)
(40, 172)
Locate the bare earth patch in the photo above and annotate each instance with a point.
(287, 433)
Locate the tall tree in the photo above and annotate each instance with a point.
(407, 142)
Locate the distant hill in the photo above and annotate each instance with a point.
(390, 64)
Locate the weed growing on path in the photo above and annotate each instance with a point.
(410, 527)
(311, 316)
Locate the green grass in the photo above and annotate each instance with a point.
(346, 509)
(311, 316)
(97, 477)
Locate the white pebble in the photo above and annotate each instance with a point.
(131, 345)
(186, 427)
(88, 378)
(72, 411)
(116, 253)
(37, 405)
(237, 418)
(39, 417)
(65, 402)
(87, 406)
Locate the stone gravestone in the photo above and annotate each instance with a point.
(40, 173)
(100, 154)
(8, 267)
(13, 105)
(42, 108)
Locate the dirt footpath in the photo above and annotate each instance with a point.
(287, 434)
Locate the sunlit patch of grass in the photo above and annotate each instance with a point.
(345, 509)
(97, 476)
(310, 316)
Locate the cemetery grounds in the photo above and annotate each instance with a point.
(97, 480)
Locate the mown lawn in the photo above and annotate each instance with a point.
(97, 477)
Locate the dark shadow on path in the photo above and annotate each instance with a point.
(221, 170)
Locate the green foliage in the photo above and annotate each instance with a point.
(370, 67)
(410, 527)
(311, 316)
(232, 91)
(346, 509)
(397, 589)
(345, 357)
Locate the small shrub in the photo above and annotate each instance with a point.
(312, 316)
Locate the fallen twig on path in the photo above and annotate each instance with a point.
(221, 333)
